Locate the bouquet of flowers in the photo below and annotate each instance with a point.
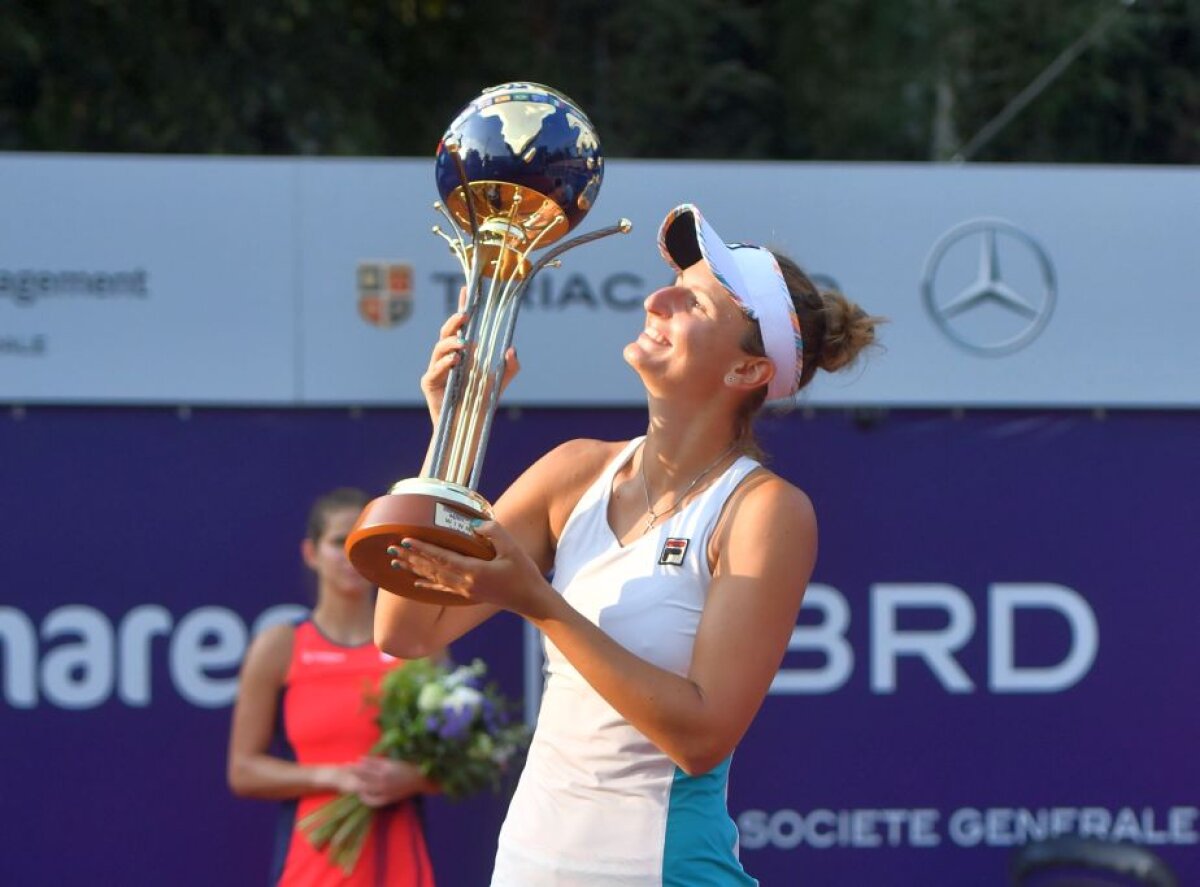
(445, 720)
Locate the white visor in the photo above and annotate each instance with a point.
(752, 276)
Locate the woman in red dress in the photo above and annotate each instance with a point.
(302, 729)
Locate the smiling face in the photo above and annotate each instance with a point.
(692, 335)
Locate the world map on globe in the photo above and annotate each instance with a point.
(524, 136)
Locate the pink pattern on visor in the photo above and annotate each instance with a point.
(752, 276)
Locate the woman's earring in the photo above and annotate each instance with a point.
(730, 379)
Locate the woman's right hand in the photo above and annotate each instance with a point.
(384, 781)
(448, 353)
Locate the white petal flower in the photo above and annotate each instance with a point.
(463, 697)
(430, 698)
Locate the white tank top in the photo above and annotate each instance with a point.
(597, 802)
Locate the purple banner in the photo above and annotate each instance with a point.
(999, 643)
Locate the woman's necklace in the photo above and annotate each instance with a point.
(655, 515)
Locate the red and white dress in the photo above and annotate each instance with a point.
(325, 719)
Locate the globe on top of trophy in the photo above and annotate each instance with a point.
(527, 141)
(517, 169)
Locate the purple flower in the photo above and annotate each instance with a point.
(457, 723)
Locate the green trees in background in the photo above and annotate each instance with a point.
(824, 79)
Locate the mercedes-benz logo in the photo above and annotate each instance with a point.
(994, 313)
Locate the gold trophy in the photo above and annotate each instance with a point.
(518, 169)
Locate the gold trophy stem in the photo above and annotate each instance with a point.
(489, 364)
(438, 466)
(483, 375)
(473, 386)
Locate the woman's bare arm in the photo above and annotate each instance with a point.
(765, 557)
(251, 771)
(533, 511)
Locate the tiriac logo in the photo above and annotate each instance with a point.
(385, 292)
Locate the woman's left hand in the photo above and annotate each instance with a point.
(384, 781)
(510, 580)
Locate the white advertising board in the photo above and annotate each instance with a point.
(239, 281)
(135, 279)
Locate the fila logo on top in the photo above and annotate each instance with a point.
(308, 657)
(673, 551)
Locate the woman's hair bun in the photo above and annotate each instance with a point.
(849, 330)
(835, 330)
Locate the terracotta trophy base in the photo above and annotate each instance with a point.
(435, 511)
